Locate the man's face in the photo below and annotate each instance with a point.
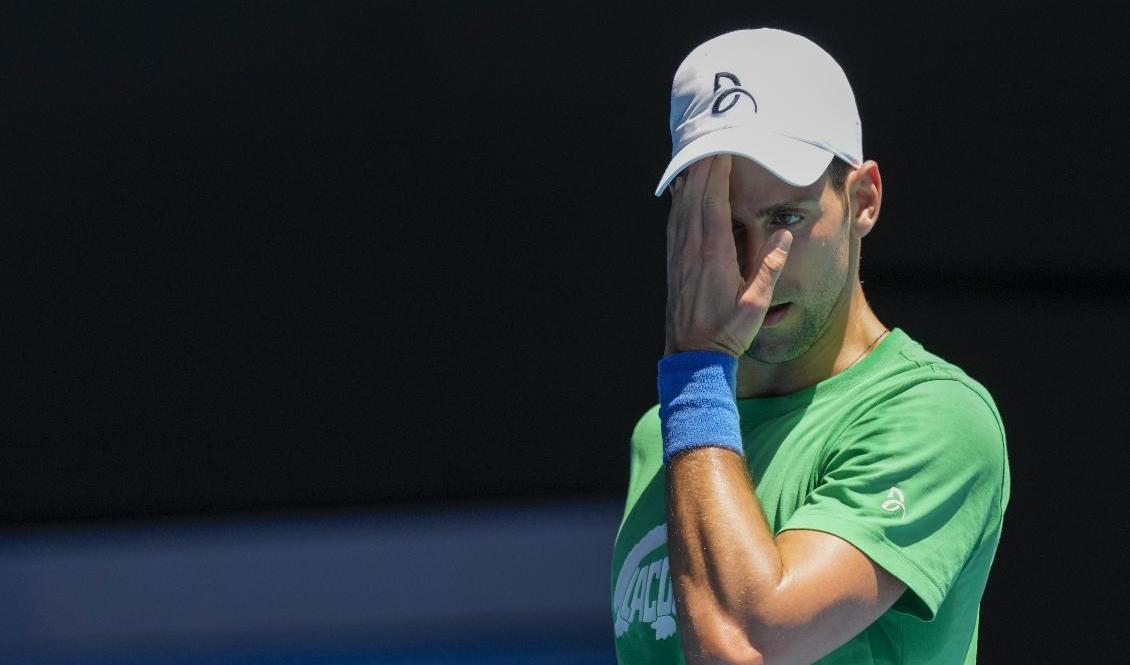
(816, 275)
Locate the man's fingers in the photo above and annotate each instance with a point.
(689, 232)
(759, 291)
(717, 222)
(673, 217)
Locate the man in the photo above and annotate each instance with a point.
(812, 485)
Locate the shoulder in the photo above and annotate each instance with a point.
(647, 440)
(946, 393)
(925, 411)
(948, 402)
(941, 425)
(648, 423)
(919, 385)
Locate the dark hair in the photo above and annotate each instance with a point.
(837, 173)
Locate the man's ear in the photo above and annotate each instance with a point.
(865, 192)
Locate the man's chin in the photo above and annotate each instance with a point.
(773, 346)
(773, 352)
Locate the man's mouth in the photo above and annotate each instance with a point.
(775, 314)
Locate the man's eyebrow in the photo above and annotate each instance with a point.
(770, 209)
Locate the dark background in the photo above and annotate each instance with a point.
(362, 256)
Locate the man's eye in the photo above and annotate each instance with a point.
(787, 218)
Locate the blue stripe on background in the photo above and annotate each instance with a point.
(524, 584)
(480, 653)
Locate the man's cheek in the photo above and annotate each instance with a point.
(785, 292)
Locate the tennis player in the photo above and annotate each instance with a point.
(813, 484)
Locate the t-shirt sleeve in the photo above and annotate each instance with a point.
(916, 484)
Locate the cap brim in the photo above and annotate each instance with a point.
(798, 163)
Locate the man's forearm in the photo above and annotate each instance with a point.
(725, 563)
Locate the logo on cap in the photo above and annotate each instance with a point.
(731, 94)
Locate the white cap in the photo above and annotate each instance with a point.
(767, 95)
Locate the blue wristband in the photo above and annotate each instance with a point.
(696, 402)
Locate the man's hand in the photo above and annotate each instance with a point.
(710, 306)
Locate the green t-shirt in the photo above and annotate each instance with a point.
(902, 455)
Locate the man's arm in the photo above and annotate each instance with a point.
(745, 597)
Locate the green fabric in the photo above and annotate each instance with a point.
(902, 455)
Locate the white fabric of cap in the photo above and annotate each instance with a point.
(767, 95)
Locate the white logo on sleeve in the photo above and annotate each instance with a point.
(643, 591)
(895, 502)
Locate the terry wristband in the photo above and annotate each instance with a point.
(696, 402)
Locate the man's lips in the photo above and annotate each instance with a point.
(774, 314)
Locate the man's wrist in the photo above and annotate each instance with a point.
(696, 402)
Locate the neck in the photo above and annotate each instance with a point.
(852, 329)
